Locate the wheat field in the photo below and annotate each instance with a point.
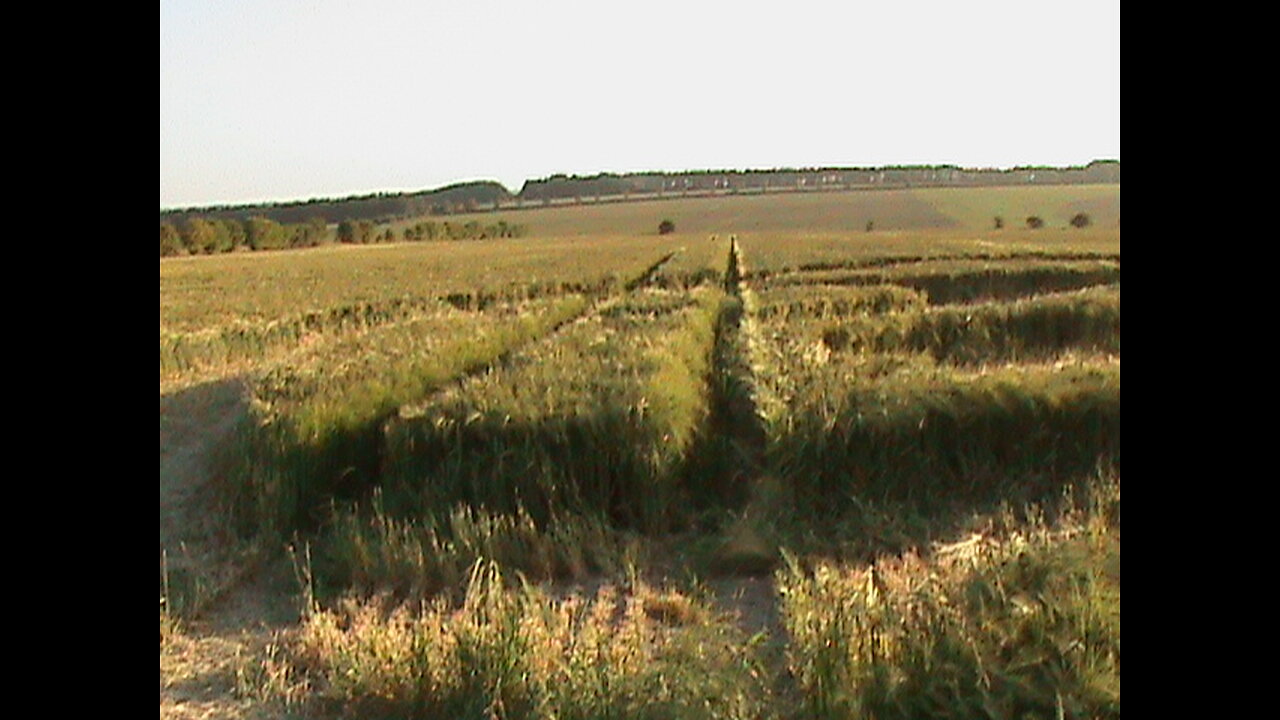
(828, 455)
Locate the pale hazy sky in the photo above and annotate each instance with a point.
(291, 99)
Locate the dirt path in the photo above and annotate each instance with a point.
(235, 615)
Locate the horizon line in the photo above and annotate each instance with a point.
(358, 195)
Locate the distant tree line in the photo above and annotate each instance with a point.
(577, 187)
(364, 232)
(380, 207)
(209, 236)
(206, 236)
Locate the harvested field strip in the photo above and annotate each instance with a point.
(923, 435)
(699, 262)
(777, 253)
(481, 300)
(258, 288)
(213, 353)
(954, 282)
(598, 421)
(598, 289)
(807, 302)
(333, 380)
(884, 262)
(1030, 329)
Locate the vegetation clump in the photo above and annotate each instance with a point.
(511, 650)
(1023, 624)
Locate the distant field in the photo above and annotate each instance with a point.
(202, 292)
(831, 212)
(823, 212)
(977, 207)
(568, 244)
(772, 252)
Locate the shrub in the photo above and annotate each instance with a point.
(170, 240)
(666, 227)
(1035, 222)
(1081, 220)
(265, 234)
(199, 236)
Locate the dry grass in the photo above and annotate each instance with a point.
(1024, 624)
(515, 651)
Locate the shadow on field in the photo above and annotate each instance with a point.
(197, 426)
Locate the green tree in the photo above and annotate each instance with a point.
(359, 232)
(317, 231)
(266, 234)
(200, 236)
(222, 241)
(237, 236)
(347, 231)
(170, 240)
(308, 234)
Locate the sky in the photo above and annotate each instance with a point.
(272, 100)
